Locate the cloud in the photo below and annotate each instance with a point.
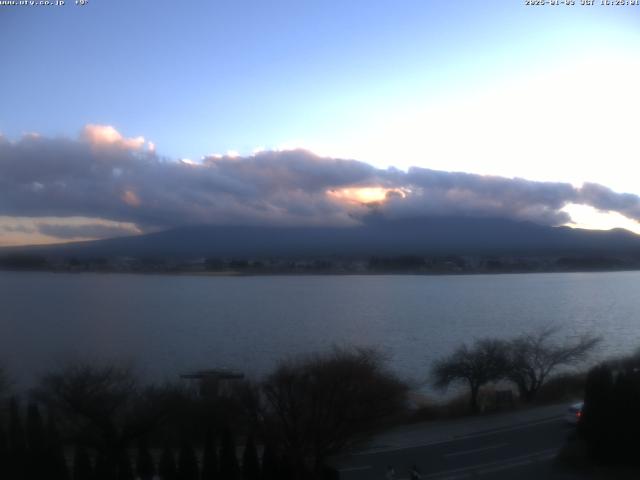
(437, 192)
(106, 135)
(130, 198)
(103, 175)
(603, 198)
(16, 228)
(87, 230)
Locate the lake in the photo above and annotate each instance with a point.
(167, 324)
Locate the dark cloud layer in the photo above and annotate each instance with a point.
(604, 198)
(105, 176)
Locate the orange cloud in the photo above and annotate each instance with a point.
(106, 135)
(130, 198)
(48, 230)
(365, 194)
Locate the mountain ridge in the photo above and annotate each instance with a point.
(376, 236)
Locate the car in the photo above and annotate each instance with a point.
(574, 413)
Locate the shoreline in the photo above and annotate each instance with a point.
(238, 273)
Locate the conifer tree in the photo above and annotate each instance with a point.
(167, 467)
(4, 451)
(229, 469)
(611, 419)
(145, 467)
(250, 463)
(56, 461)
(330, 473)
(104, 468)
(597, 412)
(209, 458)
(35, 429)
(125, 471)
(187, 462)
(36, 444)
(619, 427)
(82, 467)
(17, 448)
(269, 463)
(285, 468)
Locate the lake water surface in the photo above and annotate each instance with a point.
(168, 324)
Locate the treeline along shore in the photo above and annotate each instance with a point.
(402, 264)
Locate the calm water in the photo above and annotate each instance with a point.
(166, 324)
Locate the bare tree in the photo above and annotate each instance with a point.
(534, 356)
(321, 404)
(485, 361)
(103, 406)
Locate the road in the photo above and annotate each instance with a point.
(522, 451)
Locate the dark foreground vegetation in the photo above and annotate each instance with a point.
(85, 422)
(606, 440)
(101, 423)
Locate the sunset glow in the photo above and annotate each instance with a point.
(130, 198)
(587, 217)
(365, 195)
(47, 230)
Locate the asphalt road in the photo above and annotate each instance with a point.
(521, 452)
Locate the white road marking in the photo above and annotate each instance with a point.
(481, 449)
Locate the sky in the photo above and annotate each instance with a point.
(121, 117)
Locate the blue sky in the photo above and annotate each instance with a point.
(204, 77)
(491, 87)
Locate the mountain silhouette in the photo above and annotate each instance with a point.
(375, 236)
